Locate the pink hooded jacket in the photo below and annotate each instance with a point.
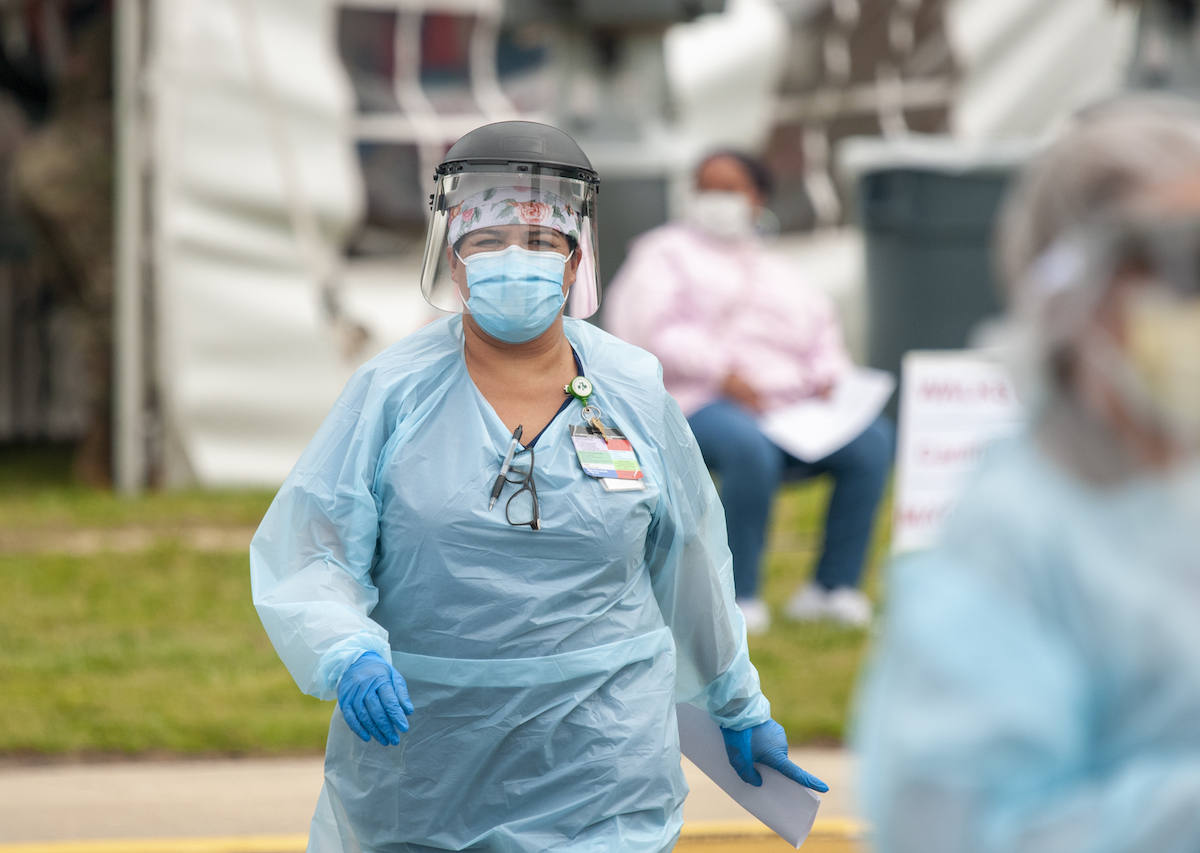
(708, 307)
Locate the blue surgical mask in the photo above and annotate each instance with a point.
(515, 293)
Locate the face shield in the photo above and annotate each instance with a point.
(516, 235)
(1124, 296)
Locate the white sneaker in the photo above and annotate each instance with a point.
(850, 606)
(808, 604)
(756, 615)
(846, 604)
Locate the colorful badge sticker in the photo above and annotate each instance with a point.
(609, 456)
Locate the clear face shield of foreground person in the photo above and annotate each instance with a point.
(1126, 330)
(507, 635)
(1037, 683)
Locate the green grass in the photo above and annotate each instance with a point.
(808, 670)
(158, 651)
(161, 651)
(152, 652)
(77, 507)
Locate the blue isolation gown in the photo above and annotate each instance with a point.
(543, 665)
(1037, 684)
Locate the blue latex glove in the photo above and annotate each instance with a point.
(374, 699)
(767, 744)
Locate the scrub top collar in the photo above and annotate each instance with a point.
(562, 408)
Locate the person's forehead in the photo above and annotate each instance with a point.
(512, 230)
(1178, 197)
(724, 168)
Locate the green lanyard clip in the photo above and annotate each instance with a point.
(580, 388)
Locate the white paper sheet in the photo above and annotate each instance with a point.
(783, 805)
(812, 429)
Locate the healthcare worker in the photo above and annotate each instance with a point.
(1037, 684)
(502, 552)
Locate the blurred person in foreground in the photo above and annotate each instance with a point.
(1037, 683)
(738, 333)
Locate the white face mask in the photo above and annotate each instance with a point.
(728, 215)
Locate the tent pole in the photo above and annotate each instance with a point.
(129, 386)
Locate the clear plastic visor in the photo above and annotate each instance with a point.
(1164, 249)
(477, 212)
(1066, 284)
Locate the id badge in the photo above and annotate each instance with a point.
(608, 457)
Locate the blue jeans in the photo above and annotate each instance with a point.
(751, 468)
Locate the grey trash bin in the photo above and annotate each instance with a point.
(927, 210)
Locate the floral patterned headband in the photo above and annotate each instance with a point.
(513, 206)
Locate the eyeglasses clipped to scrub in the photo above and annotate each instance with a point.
(521, 510)
(517, 469)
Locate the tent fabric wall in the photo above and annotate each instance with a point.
(724, 72)
(1029, 64)
(247, 365)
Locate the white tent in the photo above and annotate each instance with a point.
(250, 130)
(240, 120)
(1029, 64)
(251, 112)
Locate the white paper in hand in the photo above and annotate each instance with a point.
(812, 429)
(785, 806)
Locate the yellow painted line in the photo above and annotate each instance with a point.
(847, 827)
(842, 827)
(700, 829)
(218, 844)
(692, 831)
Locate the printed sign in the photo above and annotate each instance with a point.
(953, 404)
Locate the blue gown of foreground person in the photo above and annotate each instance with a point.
(543, 665)
(1037, 685)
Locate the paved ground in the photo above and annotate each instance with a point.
(179, 799)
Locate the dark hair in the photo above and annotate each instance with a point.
(758, 170)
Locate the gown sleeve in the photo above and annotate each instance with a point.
(691, 573)
(311, 558)
(976, 732)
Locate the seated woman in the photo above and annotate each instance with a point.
(738, 333)
(506, 633)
